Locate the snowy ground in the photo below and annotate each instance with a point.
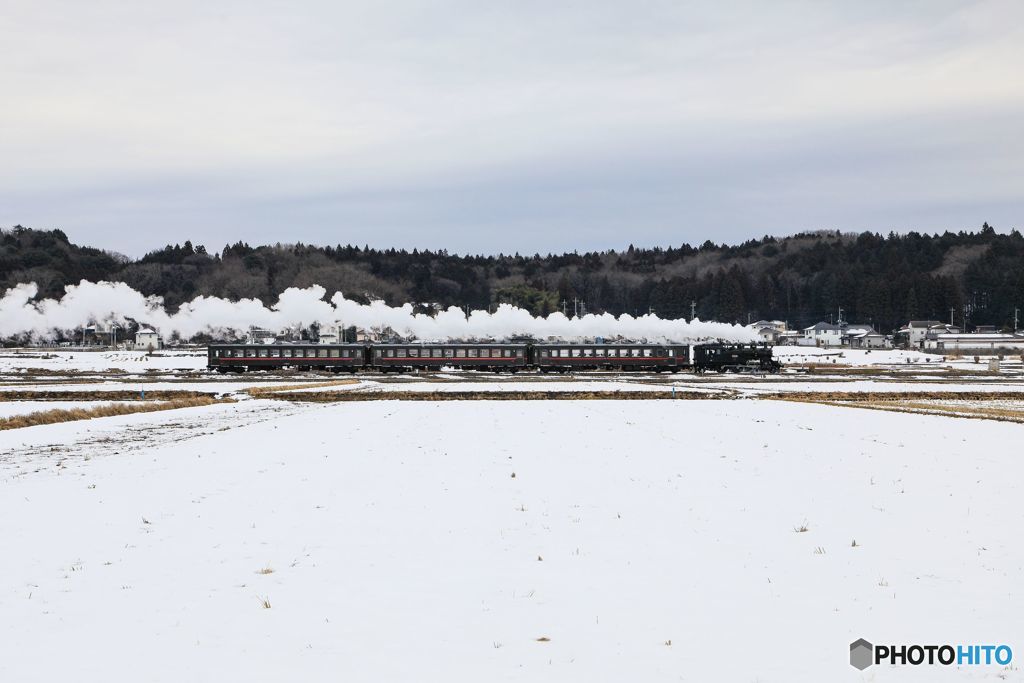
(403, 548)
(93, 361)
(645, 540)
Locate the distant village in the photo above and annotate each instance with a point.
(930, 336)
(933, 336)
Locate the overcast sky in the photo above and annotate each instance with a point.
(482, 126)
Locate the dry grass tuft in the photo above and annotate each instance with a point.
(94, 395)
(802, 529)
(264, 392)
(265, 603)
(266, 570)
(56, 416)
(543, 639)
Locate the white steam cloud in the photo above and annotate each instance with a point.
(106, 302)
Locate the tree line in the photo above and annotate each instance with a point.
(885, 280)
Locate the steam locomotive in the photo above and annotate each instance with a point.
(512, 358)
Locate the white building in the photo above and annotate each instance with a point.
(147, 339)
(823, 334)
(916, 331)
(975, 343)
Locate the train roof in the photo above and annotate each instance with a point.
(466, 344)
(286, 344)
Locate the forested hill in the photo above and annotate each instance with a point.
(885, 280)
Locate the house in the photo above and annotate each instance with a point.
(822, 334)
(789, 338)
(913, 334)
(768, 330)
(766, 334)
(93, 335)
(147, 339)
(865, 337)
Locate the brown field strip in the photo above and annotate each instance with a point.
(58, 415)
(947, 404)
(114, 395)
(267, 392)
(884, 396)
(336, 396)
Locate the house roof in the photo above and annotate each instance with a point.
(923, 323)
(822, 327)
(146, 330)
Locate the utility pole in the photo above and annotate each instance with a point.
(1016, 316)
(564, 312)
(840, 321)
(693, 309)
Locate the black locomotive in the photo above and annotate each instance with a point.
(550, 357)
(734, 358)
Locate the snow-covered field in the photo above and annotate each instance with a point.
(97, 361)
(387, 540)
(398, 541)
